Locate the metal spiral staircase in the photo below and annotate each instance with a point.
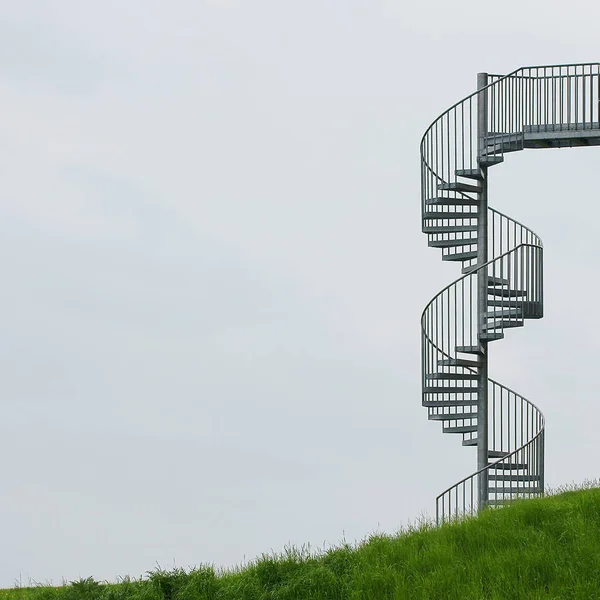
(502, 284)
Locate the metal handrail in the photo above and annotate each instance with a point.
(529, 449)
(539, 437)
(513, 74)
(478, 268)
(538, 239)
(527, 96)
(473, 273)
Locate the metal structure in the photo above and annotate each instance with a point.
(502, 284)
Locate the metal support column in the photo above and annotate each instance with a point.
(482, 295)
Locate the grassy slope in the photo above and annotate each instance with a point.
(543, 548)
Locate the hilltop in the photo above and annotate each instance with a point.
(540, 548)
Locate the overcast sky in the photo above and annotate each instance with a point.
(213, 272)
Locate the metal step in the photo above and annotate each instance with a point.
(449, 215)
(459, 186)
(509, 312)
(469, 349)
(470, 269)
(504, 293)
(470, 174)
(509, 303)
(460, 256)
(489, 160)
(458, 362)
(449, 228)
(499, 502)
(503, 142)
(503, 137)
(494, 281)
(490, 337)
(504, 148)
(515, 490)
(452, 243)
(512, 477)
(451, 376)
(460, 429)
(448, 403)
(444, 201)
(453, 416)
(447, 389)
(471, 442)
(497, 454)
(510, 466)
(503, 324)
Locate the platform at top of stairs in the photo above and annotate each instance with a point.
(561, 135)
(546, 135)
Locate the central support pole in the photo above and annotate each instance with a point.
(482, 296)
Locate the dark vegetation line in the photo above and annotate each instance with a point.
(539, 548)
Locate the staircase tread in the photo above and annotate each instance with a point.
(510, 466)
(449, 215)
(494, 281)
(491, 337)
(470, 174)
(459, 186)
(470, 269)
(446, 389)
(469, 349)
(448, 403)
(505, 501)
(497, 454)
(503, 324)
(459, 362)
(505, 293)
(445, 201)
(512, 136)
(451, 376)
(514, 477)
(453, 416)
(507, 302)
(458, 242)
(449, 228)
(490, 160)
(512, 490)
(460, 429)
(508, 312)
(460, 256)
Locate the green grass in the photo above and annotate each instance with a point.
(540, 548)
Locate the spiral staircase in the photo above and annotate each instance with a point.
(502, 281)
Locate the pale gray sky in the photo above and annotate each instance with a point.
(213, 272)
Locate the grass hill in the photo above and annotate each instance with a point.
(541, 548)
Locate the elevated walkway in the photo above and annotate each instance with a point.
(547, 135)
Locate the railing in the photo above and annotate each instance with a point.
(515, 425)
(506, 233)
(450, 318)
(531, 99)
(516, 430)
(551, 98)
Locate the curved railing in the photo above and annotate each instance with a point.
(522, 449)
(557, 99)
(502, 262)
(450, 384)
(449, 319)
